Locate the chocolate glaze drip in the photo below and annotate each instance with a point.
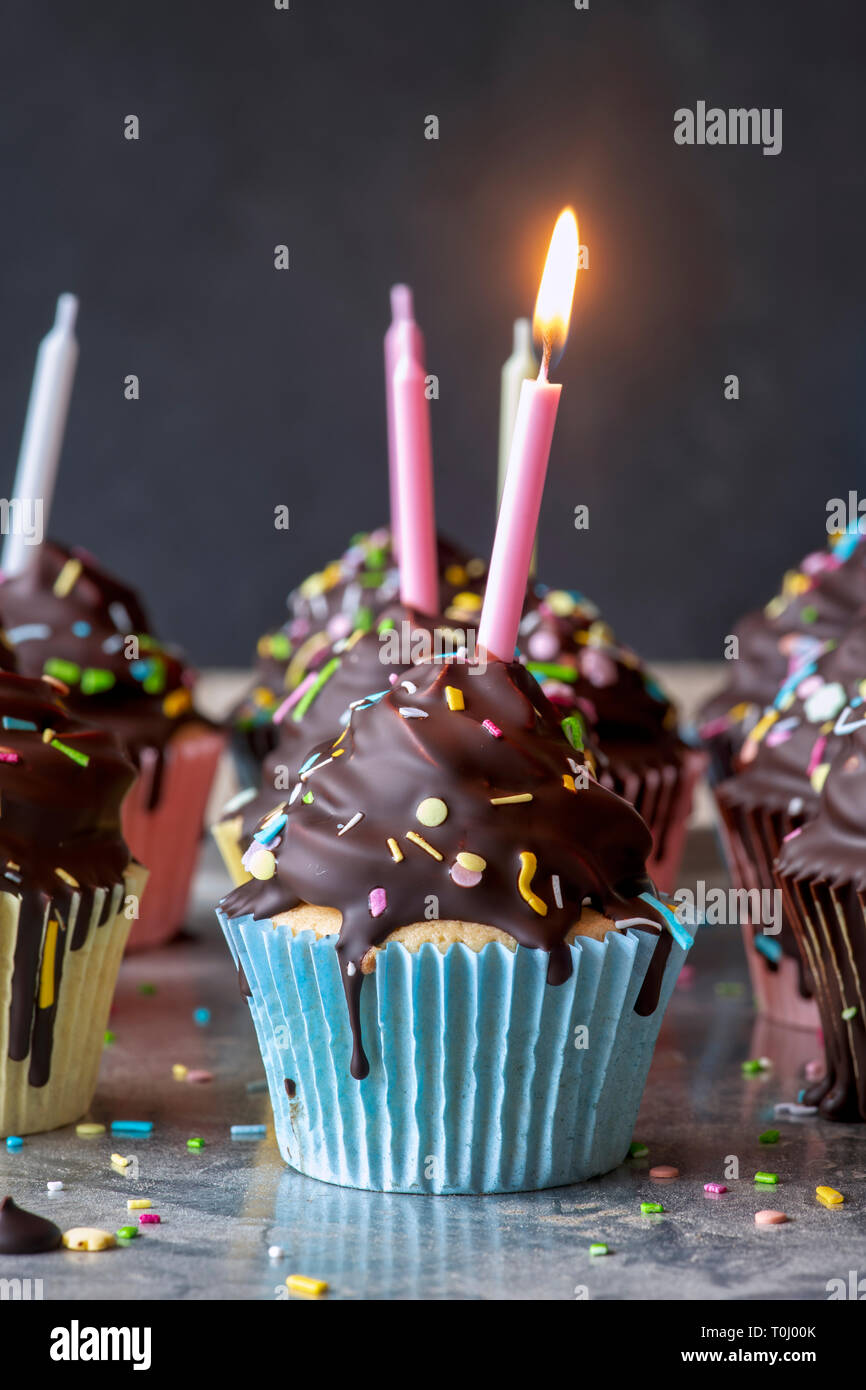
(24, 1233)
(347, 595)
(80, 635)
(57, 815)
(822, 870)
(408, 749)
(816, 603)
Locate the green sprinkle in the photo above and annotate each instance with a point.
(196, 1143)
(371, 579)
(147, 989)
(770, 1136)
(651, 1208)
(127, 1233)
(96, 679)
(109, 1037)
(553, 670)
(74, 753)
(364, 619)
(768, 1179)
(281, 647)
(309, 695)
(308, 798)
(753, 1066)
(637, 1149)
(598, 1247)
(67, 671)
(572, 727)
(154, 681)
(386, 625)
(809, 614)
(850, 1012)
(376, 558)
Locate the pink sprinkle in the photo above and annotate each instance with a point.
(770, 1218)
(492, 728)
(148, 1218)
(7, 756)
(280, 713)
(814, 1069)
(199, 1076)
(378, 901)
(817, 751)
(714, 726)
(792, 834)
(715, 1187)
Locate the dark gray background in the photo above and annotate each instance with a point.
(259, 387)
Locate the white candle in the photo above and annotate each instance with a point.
(42, 440)
(520, 366)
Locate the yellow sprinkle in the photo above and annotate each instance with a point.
(510, 800)
(431, 811)
(337, 752)
(85, 1131)
(354, 639)
(568, 783)
(396, 852)
(467, 601)
(338, 741)
(422, 843)
(137, 1203)
(87, 1238)
(455, 575)
(819, 776)
(67, 578)
(67, 878)
(46, 977)
(262, 865)
(763, 725)
(473, 862)
(176, 702)
(179, 1071)
(119, 1161)
(829, 1196)
(48, 735)
(261, 694)
(454, 697)
(302, 1284)
(528, 865)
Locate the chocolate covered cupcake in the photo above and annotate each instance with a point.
(781, 770)
(453, 954)
(65, 617)
(822, 871)
(345, 597)
(581, 666)
(68, 895)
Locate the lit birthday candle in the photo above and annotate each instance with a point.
(530, 450)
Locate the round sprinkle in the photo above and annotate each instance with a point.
(201, 1017)
(276, 1252)
(473, 862)
(770, 1218)
(464, 878)
(179, 1071)
(431, 811)
(664, 1170)
(195, 1143)
(262, 865)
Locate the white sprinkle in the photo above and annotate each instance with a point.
(113, 643)
(529, 623)
(795, 805)
(359, 815)
(319, 606)
(587, 902)
(295, 792)
(240, 799)
(55, 1186)
(28, 632)
(120, 616)
(557, 891)
(410, 686)
(310, 770)
(276, 1252)
(410, 712)
(789, 1107)
(352, 599)
(351, 969)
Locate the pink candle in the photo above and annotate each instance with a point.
(402, 311)
(530, 451)
(419, 584)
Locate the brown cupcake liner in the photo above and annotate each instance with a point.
(663, 796)
(167, 838)
(829, 921)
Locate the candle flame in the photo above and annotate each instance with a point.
(556, 291)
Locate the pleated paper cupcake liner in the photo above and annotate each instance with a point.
(249, 747)
(168, 838)
(752, 840)
(663, 796)
(84, 995)
(481, 1077)
(830, 922)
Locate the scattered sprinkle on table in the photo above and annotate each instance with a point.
(127, 1233)
(651, 1208)
(598, 1247)
(770, 1136)
(248, 1131)
(14, 1141)
(149, 1218)
(55, 1185)
(664, 1170)
(768, 1179)
(201, 1017)
(138, 1203)
(716, 1188)
(275, 1252)
(195, 1143)
(770, 1218)
(87, 1131)
(793, 1109)
(637, 1149)
(131, 1126)
(119, 1161)
(829, 1196)
(303, 1284)
(88, 1238)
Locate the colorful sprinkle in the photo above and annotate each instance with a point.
(201, 1016)
(651, 1208)
(378, 901)
(513, 800)
(770, 1136)
(55, 1185)
(28, 632)
(195, 1143)
(179, 1071)
(396, 852)
(67, 578)
(74, 753)
(637, 1149)
(67, 878)
(598, 1247)
(119, 1161)
(8, 755)
(454, 697)
(309, 1288)
(431, 811)
(716, 1188)
(262, 865)
(410, 712)
(126, 1233)
(491, 728)
(176, 702)
(572, 727)
(87, 1131)
(67, 671)
(464, 878)
(557, 890)
(131, 1126)
(768, 1179)
(829, 1196)
(95, 679)
(149, 1218)
(248, 1131)
(770, 1218)
(788, 1107)
(528, 866)
(10, 722)
(664, 1170)
(88, 1238)
(14, 1141)
(422, 844)
(199, 1077)
(849, 1013)
(138, 1204)
(358, 816)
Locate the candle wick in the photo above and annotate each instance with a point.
(545, 358)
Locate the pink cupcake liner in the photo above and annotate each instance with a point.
(167, 838)
(663, 796)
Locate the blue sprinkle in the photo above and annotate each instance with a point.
(676, 929)
(201, 1017)
(132, 1126)
(801, 1096)
(768, 946)
(309, 763)
(858, 700)
(139, 670)
(81, 628)
(29, 632)
(793, 681)
(14, 1142)
(10, 723)
(248, 1131)
(270, 832)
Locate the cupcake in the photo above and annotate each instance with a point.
(454, 958)
(781, 770)
(65, 617)
(68, 894)
(822, 871)
(816, 603)
(345, 597)
(580, 665)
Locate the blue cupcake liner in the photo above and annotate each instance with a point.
(476, 1083)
